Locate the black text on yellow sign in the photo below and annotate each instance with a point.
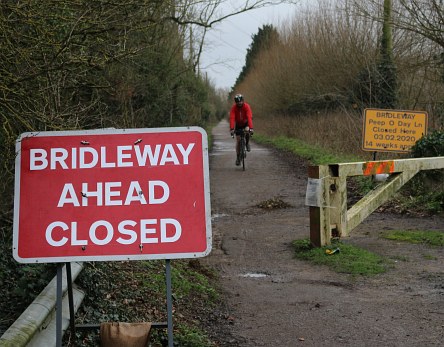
(392, 130)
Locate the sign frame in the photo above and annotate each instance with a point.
(196, 171)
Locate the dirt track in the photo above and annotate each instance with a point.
(273, 299)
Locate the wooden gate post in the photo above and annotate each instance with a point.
(337, 205)
(320, 215)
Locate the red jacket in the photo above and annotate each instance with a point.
(241, 116)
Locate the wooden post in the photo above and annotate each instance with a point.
(320, 215)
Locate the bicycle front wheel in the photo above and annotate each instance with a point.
(243, 152)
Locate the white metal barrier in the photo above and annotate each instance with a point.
(36, 325)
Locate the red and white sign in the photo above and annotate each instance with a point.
(112, 194)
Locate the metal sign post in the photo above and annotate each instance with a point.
(70, 299)
(169, 303)
(59, 306)
(59, 302)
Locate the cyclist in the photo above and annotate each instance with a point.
(241, 119)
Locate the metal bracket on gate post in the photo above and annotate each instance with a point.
(337, 202)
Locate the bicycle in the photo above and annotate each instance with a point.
(242, 148)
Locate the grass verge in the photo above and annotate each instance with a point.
(342, 258)
(432, 238)
(315, 154)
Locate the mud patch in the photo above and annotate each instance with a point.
(272, 204)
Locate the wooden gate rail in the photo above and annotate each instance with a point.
(331, 218)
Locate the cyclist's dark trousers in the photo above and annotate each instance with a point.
(239, 129)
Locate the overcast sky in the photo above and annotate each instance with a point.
(227, 43)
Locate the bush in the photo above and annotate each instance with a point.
(431, 145)
(427, 186)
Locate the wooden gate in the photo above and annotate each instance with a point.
(331, 218)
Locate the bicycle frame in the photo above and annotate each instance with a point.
(243, 149)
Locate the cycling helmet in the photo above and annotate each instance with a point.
(238, 98)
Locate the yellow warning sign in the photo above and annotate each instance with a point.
(392, 130)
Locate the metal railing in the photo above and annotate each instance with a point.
(36, 326)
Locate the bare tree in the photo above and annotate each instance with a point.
(204, 15)
(69, 64)
(423, 17)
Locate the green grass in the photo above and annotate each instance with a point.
(316, 155)
(433, 238)
(431, 202)
(191, 337)
(350, 259)
(187, 281)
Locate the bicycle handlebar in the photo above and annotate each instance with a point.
(249, 131)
